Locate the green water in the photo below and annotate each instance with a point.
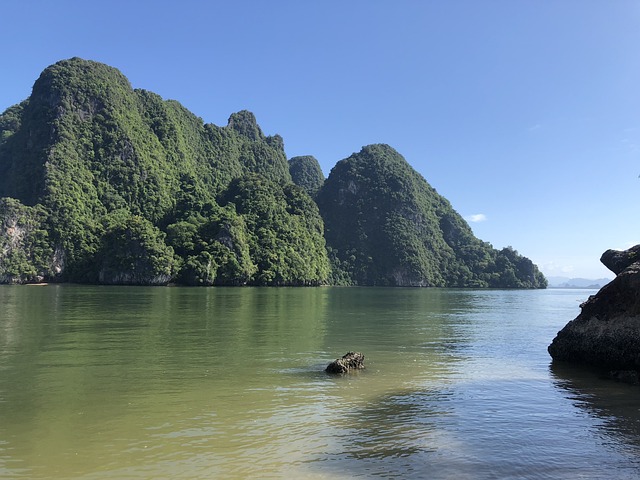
(127, 382)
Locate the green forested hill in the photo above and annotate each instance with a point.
(306, 173)
(385, 225)
(103, 183)
(115, 170)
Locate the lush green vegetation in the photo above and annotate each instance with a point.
(285, 228)
(24, 243)
(103, 183)
(133, 251)
(128, 187)
(385, 225)
(306, 173)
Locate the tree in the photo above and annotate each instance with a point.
(133, 252)
(306, 173)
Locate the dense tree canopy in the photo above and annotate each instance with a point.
(26, 252)
(385, 225)
(100, 182)
(306, 173)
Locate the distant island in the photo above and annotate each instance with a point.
(101, 183)
(566, 282)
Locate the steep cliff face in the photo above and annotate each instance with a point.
(606, 334)
(26, 255)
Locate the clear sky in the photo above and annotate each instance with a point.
(524, 114)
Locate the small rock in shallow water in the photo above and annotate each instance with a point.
(349, 361)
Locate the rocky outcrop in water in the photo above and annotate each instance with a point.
(349, 361)
(606, 334)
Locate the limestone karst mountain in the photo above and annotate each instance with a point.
(104, 183)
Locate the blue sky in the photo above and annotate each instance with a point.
(524, 114)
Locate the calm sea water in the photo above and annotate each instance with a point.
(141, 383)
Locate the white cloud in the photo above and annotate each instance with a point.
(554, 268)
(477, 217)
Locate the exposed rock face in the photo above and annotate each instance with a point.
(606, 334)
(349, 361)
(25, 254)
(130, 278)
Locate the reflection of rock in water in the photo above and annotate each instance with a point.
(616, 404)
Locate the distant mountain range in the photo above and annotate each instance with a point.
(566, 282)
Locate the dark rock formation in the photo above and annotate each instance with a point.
(618, 260)
(349, 361)
(606, 334)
